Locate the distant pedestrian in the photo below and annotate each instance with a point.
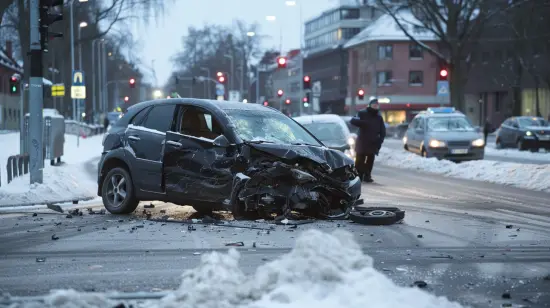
(105, 123)
(372, 132)
(487, 128)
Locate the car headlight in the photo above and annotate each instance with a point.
(351, 141)
(437, 144)
(350, 153)
(302, 176)
(405, 140)
(478, 142)
(528, 133)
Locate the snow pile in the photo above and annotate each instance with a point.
(323, 270)
(529, 176)
(513, 153)
(73, 181)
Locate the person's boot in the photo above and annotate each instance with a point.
(367, 179)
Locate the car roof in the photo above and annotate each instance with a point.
(319, 118)
(441, 115)
(206, 103)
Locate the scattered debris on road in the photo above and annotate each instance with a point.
(378, 216)
(239, 244)
(55, 237)
(420, 284)
(40, 260)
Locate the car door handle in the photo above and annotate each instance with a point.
(134, 138)
(174, 144)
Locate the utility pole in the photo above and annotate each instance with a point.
(35, 97)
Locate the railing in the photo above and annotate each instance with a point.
(78, 128)
(17, 165)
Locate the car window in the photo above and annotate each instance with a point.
(523, 122)
(413, 124)
(253, 125)
(420, 124)
(326, 131)
(443, 124)
(139, 117)
(200, 123)
(160, 118)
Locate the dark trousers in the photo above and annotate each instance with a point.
(485, 134)
(364, 164)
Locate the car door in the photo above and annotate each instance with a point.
(515, 132)
(147, 142)
(504, 132)
(410, 134)
(195, 169)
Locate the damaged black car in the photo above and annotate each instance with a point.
(219, 155)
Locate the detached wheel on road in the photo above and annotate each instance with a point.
(374, 218)
(117, 192)
(399, 214)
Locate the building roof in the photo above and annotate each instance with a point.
(386, 29)
(9, 63)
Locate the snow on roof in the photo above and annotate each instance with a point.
(386, 29)
(9, 63)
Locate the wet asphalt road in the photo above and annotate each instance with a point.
(466, 251)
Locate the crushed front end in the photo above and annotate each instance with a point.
(272, 188)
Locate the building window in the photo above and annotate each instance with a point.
(349, 14)
(415, 52)
(348, 33)
(385, 52)
(416, 78)
(384, 78)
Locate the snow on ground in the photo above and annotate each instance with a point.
(529, 176)
(514, 153)
(70, 181)
(322, 270)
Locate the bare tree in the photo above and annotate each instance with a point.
(458, 25)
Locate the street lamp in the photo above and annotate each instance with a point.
(250, 33)
(83, 24)
(71, 15)
(293, 3)
(157, 93)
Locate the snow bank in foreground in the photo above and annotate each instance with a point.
(529, 176)
(513, 153)
(62, 183)
(323, 270)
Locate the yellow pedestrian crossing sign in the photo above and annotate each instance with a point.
(78, 89)
(58, 90)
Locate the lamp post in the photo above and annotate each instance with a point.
(71, 15)
(293, 3)
(206, 85)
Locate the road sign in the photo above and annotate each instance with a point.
(220, 89)
(316, 89)
(78, 89)
(234, 96)
(58, 90)
(443, 88)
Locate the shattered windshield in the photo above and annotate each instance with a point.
(326, 131)
(445, 124)
(269, 127)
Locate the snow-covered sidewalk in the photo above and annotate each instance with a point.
(71, 181)
(529, 176)
(322, 270)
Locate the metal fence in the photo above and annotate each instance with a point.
(17, 165)
(78, 128)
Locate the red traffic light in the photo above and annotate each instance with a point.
(304, 99)
(126, 98)
(221, 79)
(443, 73)
(281, 61)
(307, 79)
(280, 93)
(13, 78)
(132, 81)
(287, 102)
(219, 74)
(266, 103)
(361, 92)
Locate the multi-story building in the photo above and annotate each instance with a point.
(385, 63)
(325, 59)
(9, 104)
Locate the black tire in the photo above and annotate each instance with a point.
(374, 218)
(520, 145)
(204, 209)
(400, 214)
(129, 202)
(498, 144)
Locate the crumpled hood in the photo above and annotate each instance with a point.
(335, 159)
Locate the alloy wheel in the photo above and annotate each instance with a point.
(117, 192)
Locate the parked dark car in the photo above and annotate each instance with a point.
(223, 155)
(524, 133)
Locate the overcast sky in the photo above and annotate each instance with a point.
(160, 42)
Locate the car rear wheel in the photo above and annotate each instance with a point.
(499, 144)
(117, 192)
(520, 145)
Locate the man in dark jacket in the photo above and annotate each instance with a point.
(487, 128)
(372, 132)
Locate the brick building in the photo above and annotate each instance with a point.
(385, 63)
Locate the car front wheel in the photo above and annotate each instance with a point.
(117, 192)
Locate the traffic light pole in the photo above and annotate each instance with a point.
(21, 116)
(35, 97)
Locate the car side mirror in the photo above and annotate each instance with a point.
(221, 141)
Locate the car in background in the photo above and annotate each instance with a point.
(352, 128)
(524, 133)
(444, 133)
(332, 130)
(113, 117)
(220, 155)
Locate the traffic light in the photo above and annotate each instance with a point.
(266, 103)
(443, 74)
(126, 99)
(280, 93)
(287, 101)
(307, 82)
(47, 18)
(281, 62)
(361, 94)
(132, 83)
(307, 99)
(14, 85)
(221, 77)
